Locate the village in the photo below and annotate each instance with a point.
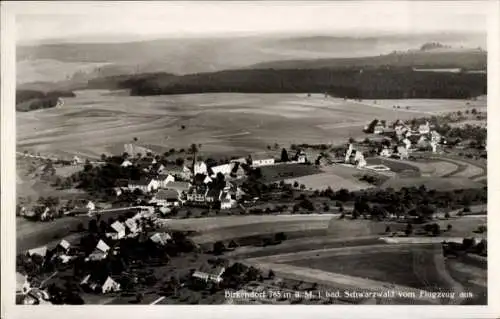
(140, 194)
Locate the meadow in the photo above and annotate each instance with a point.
(99, 121)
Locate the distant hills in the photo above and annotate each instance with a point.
(262, 65)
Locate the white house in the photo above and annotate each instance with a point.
(210, 273)
(424, 128)
(166, 198)
(118, 231)
(164, 179)
(226, 202)
(160, 238)
(132, 227)
(64, 245)
(105, 285)
(407, 143)
(126, 163)
(147, 185)
(402, 152)
(301, 157)
(40, 251)
(378, 129)
(224, 169)
(262, 160)
(200, 168)
(100, 252)
(386, 152)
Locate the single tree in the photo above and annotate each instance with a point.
(284, 155)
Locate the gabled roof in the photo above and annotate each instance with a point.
(64, 244)
(160, 238)
(142, 182)
(41, 251)
(102, 246)
(131, 224)
(210, 270)
(167, 194)
(118, 227)
(179, 186)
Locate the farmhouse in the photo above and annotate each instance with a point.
(166, 198)
(100, 284)
(40, 251)
(226, 201)
(83, 207)
(22, 283)
(386, 152)
(262, 160)
(117, 231)
(131, 226)
(237, 171)
(209, 273)
(402, 151)
(224, 169)
(100, 252)
(126, 163)
(164, 179)
(197, 193)
(160, 238)
(63, 246)
(424, 128)
(200, 168)
(147, 184)
(378, 129)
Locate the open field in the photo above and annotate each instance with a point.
(97, 121)
(280, 172)
(436, 167)
(473, 279)
(322, 181)
(395, 267)
(340, 281)
(261, 229)
(215, 223)
(432, 106)
(302, 244)
(436, 183)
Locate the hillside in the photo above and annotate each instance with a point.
(465, 59)
(386, 83)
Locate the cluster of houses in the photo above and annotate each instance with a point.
(407, 138)
(174, 185)
(47, 212)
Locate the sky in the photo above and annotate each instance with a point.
(122, 21)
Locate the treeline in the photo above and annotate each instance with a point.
(382, 83)
(29, 100)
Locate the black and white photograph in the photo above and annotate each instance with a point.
(251, 153)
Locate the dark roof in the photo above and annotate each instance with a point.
(167, 194)
(199, 178)
(173, 168)
(210, 269)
